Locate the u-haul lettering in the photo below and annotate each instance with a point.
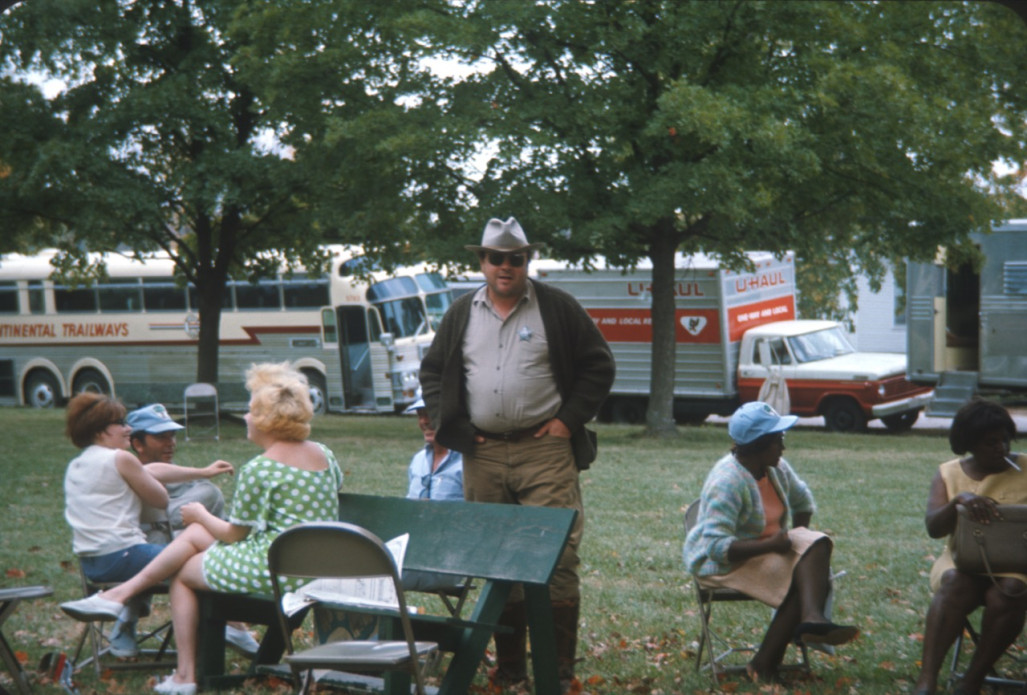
(760, 281)
(681, 289)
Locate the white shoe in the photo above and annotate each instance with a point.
(169, 686)
(241, 640)
(96, 607)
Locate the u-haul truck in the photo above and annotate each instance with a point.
(733, 329)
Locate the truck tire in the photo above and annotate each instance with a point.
(628, 411)
(42, 390)
(901, 422)
(318, 391)
(91, 381)
(844, 415)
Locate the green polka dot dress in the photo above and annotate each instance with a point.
(269, 498)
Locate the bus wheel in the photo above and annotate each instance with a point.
(91, 381)
(318, 391)
(844, 415)
(41, 390)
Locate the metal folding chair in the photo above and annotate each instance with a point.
(717, 648)
(161, 655)
(201, 400)
(1016, 659)
(341, 550)
(9, 600)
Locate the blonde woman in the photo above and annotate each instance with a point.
(292, 481)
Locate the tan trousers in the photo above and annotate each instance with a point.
(532, 472)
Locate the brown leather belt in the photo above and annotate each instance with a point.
(511, 436)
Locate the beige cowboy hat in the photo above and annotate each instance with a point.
(506, 237)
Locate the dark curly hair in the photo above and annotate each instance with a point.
(976, 419)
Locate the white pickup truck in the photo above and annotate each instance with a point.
(827, 376)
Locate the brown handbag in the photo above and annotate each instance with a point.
(994, 548)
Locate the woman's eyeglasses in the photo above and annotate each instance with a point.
(497, 259)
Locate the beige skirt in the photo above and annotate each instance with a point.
(768, 577)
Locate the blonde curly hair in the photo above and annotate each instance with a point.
(280, 400)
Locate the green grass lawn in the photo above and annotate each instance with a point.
(639, 624)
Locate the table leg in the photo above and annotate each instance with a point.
(472, 644)
(543, 639)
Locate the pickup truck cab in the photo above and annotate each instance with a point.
(827, 376)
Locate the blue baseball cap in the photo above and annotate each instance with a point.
(757, 419)
(152, 419)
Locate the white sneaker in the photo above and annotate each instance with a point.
(169, 686)
(241, 640)
(96, 607)
(123, 640)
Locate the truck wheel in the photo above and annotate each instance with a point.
(901, 422)
(844, 415)
(318, 391)
(628, 411)
(90, 381)
(42, 390)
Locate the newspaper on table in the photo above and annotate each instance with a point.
(372, 592)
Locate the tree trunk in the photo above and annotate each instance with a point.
(210, 333)
(659, 417)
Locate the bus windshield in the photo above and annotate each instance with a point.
(820, 345)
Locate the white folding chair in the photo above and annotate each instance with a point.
(201, 400)
(341, 550)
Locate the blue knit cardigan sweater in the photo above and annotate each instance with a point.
(730, 509)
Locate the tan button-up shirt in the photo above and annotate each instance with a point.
(510, 382)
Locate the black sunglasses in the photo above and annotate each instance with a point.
(497, 259)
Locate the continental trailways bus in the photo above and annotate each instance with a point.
(359, 342)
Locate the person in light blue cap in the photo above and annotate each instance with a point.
(742, 539)
(435, 473)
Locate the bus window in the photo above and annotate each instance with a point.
(437, 305)
(301, 292)
(391, 288)
(8, 297)
(76, 300)
(124, 294)
(163, 295)
(226, 298)
(37, 297)
(262, 295)
(403, 318)
(430, 282)
(330, 333)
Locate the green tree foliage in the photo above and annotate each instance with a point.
(851, 132)
(158, 142)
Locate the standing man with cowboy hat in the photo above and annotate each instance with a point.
(516, 370)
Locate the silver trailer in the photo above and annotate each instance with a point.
(967, 330)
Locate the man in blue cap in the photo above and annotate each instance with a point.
(154, 441)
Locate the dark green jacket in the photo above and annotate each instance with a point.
(581, 361)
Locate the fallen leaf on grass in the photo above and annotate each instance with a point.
(16, 574)
(22, 657)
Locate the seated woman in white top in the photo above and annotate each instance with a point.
(105, 487)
